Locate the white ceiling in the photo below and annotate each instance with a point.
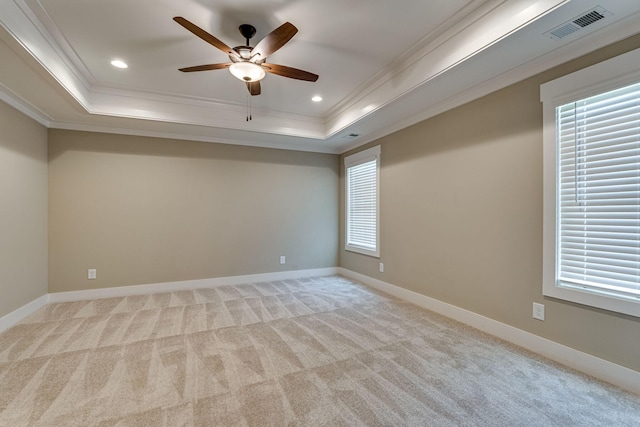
(383, 65)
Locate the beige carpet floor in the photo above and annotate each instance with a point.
(314, 352)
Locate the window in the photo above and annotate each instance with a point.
(592, 186)
(362, 172)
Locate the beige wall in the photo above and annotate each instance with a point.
(23, 209)
(148, 210)
(461, 218)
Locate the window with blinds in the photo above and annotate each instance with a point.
(362, 190)
(599, 193)
(591, 191)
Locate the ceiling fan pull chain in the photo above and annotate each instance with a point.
(249, 108)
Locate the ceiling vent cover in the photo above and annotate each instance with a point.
(577, 23)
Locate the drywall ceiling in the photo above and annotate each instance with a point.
(382, 65)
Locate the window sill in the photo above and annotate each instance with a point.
(628, 306)
(362, 251)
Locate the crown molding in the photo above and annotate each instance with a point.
(190, 133)
(22, 105)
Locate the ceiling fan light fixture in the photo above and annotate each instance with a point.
(247, 71)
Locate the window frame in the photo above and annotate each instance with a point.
(356, 159)
(603, 77)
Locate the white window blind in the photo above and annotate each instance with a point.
(362, 201)
(598, 191)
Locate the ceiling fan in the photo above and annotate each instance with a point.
(248, 63)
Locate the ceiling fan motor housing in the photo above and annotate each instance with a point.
(247, 31)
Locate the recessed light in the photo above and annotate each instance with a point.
(119, 64)
(316, 98)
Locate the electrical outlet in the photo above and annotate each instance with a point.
(538, 311)
(282, 259)
(381, 267)
(91, 274)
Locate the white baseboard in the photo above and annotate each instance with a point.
(123, 291)
(623, 377)
(17, 315)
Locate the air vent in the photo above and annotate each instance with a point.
(589, 18)
(579, 22)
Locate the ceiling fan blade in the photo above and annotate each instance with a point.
(206, 67)
(292, 73)
(254, 88)
(199, 32)
(274, 40)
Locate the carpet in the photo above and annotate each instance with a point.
(324, 351)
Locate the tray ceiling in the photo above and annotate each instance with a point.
(382, 65)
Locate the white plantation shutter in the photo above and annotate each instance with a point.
(598, 191)
(362, 170)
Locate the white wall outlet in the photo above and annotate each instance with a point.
(538, 311)
(381, 267)
(283, 259)
(91, 274)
